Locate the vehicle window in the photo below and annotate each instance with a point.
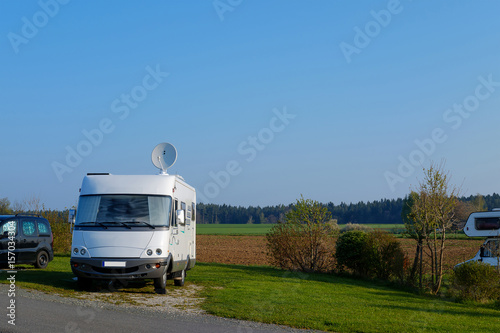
(193, 216)
(183, 207)
(29, 228)
(153, 209)
(43, 228)
(9, 226)
(174, 215)
(491, 249)
(487, 223)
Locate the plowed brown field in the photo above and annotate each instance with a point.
(251, 250)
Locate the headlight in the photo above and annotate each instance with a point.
(82, 252)
(75, 250)
(149, 252)
(158, 251)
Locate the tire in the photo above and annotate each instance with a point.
(160, 284)
(42, 259)
(84, 283)
(179, 280)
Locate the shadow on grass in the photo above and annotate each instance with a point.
(30, 277)
(256, 272)
(59, 277)
(450, 310)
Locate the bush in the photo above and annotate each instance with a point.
(375, 254)
(387, 258)
(476, 281)
(305, 240)
(60, 229)
(352, 253)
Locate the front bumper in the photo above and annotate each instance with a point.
(130, 268)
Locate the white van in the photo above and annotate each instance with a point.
(485, 225)
(134, 227)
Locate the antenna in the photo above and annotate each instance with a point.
(164, 156)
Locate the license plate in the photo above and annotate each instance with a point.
(114, 264)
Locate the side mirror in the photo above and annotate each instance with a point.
(180, 216)
(71, 216)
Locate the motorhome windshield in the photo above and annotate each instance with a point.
(120, 208)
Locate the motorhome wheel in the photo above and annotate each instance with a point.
(179, 281)
(160, 284)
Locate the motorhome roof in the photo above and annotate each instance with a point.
(129, 184)
(483, 224)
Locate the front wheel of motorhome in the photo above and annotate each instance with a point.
(84, 283)
(160, 284)
(179, 280)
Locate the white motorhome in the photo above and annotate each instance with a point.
(485, 225)
(135, 227)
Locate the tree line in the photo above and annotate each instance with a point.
(385, 211)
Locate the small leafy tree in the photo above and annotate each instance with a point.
(304, 241)
(417, 230)
(433, 213)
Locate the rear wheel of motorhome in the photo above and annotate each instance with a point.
(160, 284)
(179, 281)
(42, 259)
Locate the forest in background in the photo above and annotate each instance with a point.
(385, 211)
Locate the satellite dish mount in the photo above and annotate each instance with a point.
(164, 156)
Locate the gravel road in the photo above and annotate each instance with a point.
(36, 311)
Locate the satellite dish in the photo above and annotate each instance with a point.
(164, 156)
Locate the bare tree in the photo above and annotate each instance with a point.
(434, 212)
(31, 204)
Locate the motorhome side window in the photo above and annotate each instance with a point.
(491, 249)
(193, 216)
(120, 208)
(183, 207)
(173, 221)
(487, 223)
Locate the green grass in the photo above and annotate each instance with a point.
(315, 301)
(262, 229)
(327, 302)
(233, 229)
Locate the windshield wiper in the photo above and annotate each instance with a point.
(126, 225)
(110, 223)
(146, 223)
(90, 224)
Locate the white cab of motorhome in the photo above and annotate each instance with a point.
(485, 225)
(135, 227)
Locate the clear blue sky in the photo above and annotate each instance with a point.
(335, 100)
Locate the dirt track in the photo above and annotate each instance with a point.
(251, 250)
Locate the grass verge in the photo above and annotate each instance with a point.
(315, 301)
(331, 303)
